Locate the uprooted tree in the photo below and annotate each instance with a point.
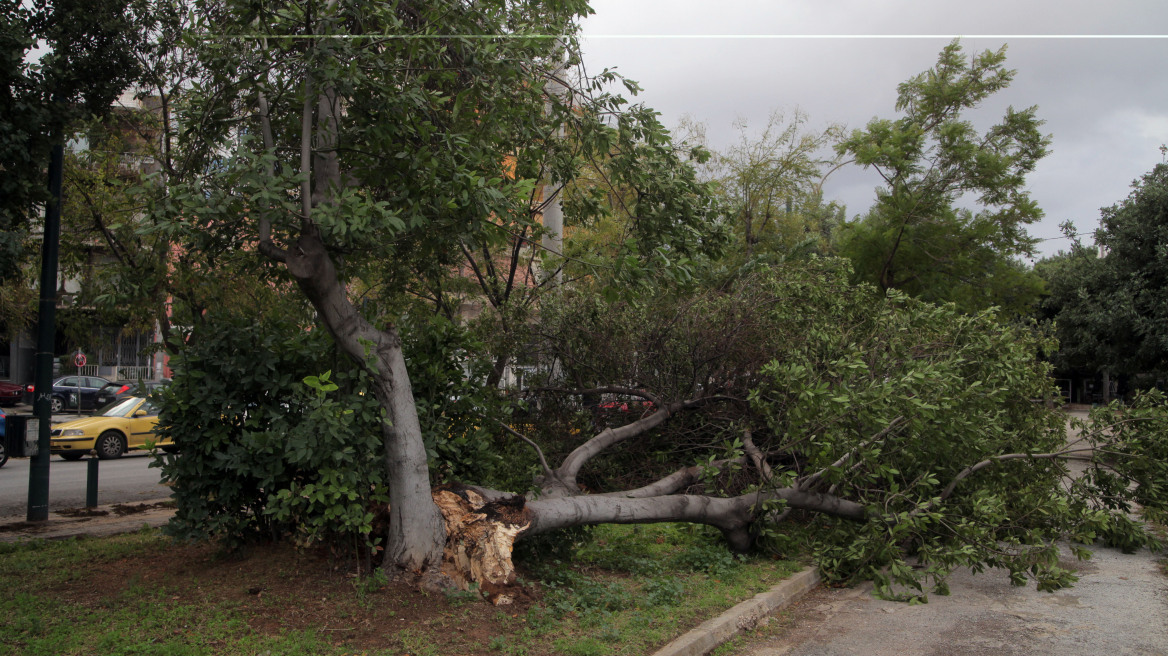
(346, 139)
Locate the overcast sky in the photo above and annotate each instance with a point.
(1103, 93)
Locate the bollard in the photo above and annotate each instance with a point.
(91, 484)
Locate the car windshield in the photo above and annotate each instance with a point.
(121, 408)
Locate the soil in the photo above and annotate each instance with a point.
(278, 589)
(76, 516)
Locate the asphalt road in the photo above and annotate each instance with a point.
(1119, 607)
(128, 479)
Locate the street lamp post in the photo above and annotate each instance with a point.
(38, 473)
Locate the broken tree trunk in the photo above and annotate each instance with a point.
(483, 525)
(479, 537)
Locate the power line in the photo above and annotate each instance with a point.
(1077, 234)
(874, 36)
(745, 37)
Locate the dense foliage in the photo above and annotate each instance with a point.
(263, 455)
(1080, 302)
(279, 436)
(91, 60)
(908, 409)
(1108, 303)
(919, 237)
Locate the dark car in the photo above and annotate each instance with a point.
(94, 392)
(142, 388)
(10, 393)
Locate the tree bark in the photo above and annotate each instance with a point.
(416, 534)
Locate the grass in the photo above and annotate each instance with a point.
(620, 590)
(632, 588)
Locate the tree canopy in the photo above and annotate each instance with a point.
(920, 237)
(90, 61)
(771, 182)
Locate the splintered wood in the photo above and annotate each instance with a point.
(479, 538)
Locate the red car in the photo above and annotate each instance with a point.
(10, 393)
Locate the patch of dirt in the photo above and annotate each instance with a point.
(15, 527)
(279, 589)
(83, 512)
(123, 509)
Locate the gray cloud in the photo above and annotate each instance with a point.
(1105, 100)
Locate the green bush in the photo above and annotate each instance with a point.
(269, 449)
(279, 436)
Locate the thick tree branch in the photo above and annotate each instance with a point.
(576, 460)
(562, 512)
(757, 457)
(266, 246)
(732, 515)
(678, 480)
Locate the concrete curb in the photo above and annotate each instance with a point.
(743, 617)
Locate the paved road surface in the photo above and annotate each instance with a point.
(128, 479)
(1119, 607)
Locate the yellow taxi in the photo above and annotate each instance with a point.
(117, 428)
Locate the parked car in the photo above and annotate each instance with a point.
(3, 441)
(144, 388)
(123, 426)
(92, 390)
(10, 393)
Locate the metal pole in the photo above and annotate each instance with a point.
(91, 484)
(38, 473)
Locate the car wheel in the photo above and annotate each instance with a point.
(110, 445)
(170, 449)
(76, 455)
(3, 454)
(57, 404)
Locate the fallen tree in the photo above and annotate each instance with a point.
(911, 438)
(354, 151)
(903, 432)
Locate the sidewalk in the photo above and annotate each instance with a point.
(100, 521)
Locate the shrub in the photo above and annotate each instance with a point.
(279, 436)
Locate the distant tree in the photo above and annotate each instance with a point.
(1111, 311)
(770, 182)
(1134, 234)
(1083, 307)
(92, 56)
(917, 237)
